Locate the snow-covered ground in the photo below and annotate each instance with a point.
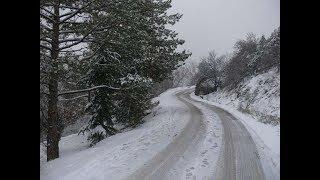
(258, 96)
(120, 156)
(200, 157)
(265, 136)
(180, 139)
(76, 126)
(253, 102)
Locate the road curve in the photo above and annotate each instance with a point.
(239, 157)
(158, 167)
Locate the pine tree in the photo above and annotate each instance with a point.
(65, 27)
(141, 50)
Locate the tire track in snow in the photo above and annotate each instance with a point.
(159, 166)
(239, 157)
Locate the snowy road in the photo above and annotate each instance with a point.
(183, 138)
(238, 157)
(190, 137)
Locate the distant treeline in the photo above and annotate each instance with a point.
(251, 56)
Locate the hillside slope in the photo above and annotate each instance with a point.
(257, 95)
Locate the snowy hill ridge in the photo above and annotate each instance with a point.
(256, 95)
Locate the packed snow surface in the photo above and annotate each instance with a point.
(124, 154)
(255, 100)
(180, 139)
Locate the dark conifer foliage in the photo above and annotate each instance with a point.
(137, 51)
(106, 52)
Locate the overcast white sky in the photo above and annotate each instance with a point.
(217, 24)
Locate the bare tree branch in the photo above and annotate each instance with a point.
(71, 40)
(74, 31)
(45, 27)
(47, 94)
(76, 43)
(88, 89)
(46, 55)
(66, 14)
(88, 57)
(74, 13)
(82, 39)
(68, 7)
(74, 98)
(73, 50)
(70, 16)
(69, 32)
(46, 17)
(45, 47)
(42, 4)
(46, 10)
(46, 40)
(93, 54)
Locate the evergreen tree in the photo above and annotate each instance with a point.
(66, 27)
(138, 51)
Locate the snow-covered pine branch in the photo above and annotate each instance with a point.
(73, 14)
(46, 17)
(68, 7)
(46, 40)
(81, 39)
(70, 40)
(43, 26)
(44, 93)
(90, 89)
(45, 55)
(66, 14)
(45, 47)
(46, 10)
(68, 32)
(74, 98)
(73, 50)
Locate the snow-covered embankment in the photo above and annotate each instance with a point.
(120, 156)
(256, 103)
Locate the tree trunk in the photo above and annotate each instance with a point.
(109, 130)
(54, 126)
(53, 135)
(198, 88)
